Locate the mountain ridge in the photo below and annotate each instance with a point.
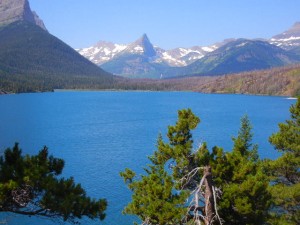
(177, 61)
(242, 55)
(101, 53)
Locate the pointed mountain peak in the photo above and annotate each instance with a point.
(143, 40)
(18, 10)
(145, 37)
(142, 46)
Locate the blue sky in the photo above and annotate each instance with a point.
(168, 23)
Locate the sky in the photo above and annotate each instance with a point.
(167, 23)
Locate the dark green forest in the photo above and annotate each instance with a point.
(32, 60)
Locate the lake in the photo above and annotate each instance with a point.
(99, 134)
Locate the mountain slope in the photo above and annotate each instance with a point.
(241, 55)
(276, 81)
(29, 53)
(289, 39)
(26, 48)
(31, 59)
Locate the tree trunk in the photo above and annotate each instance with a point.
(209, 198)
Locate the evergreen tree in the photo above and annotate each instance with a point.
(194, 175)
(177, 187)
(154, 200)
(29, 185)
(285, 170)
(240, 175)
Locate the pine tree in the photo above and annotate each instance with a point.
(196, 179)
(285, 170)
(240, 175)
(29, 185)
(177, 187)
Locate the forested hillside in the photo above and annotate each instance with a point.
(33, 60)
(283, 81)
(278, 81)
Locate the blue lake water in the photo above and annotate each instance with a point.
(99, 134)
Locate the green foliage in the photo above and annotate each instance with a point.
(159, 197)
(285, 170)
(29, 186)
(154, 200)
(240, 175)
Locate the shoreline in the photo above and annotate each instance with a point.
(122, 90)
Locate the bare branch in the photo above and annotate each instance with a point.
(187, 178)
(216, 208)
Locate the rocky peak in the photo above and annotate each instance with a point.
(39, 21)
(143, 40)
(142, 46)
(18, 10)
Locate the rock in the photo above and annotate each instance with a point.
(18, 10)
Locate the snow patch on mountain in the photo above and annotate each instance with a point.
(103, 52)
(209, 49)
(288, 39)
(292, 38)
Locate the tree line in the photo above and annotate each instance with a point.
(277, 81)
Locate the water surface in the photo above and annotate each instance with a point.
(98, 134)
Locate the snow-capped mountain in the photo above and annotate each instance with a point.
(142, 46)
(142, 59)
(289, 39)
(183, 56)
(138, 59)
(103, 52)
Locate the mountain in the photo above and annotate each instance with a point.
(142, 46)
(104, 52)
(289, 39)
(18, 10)
(136, 60)
(238, 56)
(32, 59)
(142, 59)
